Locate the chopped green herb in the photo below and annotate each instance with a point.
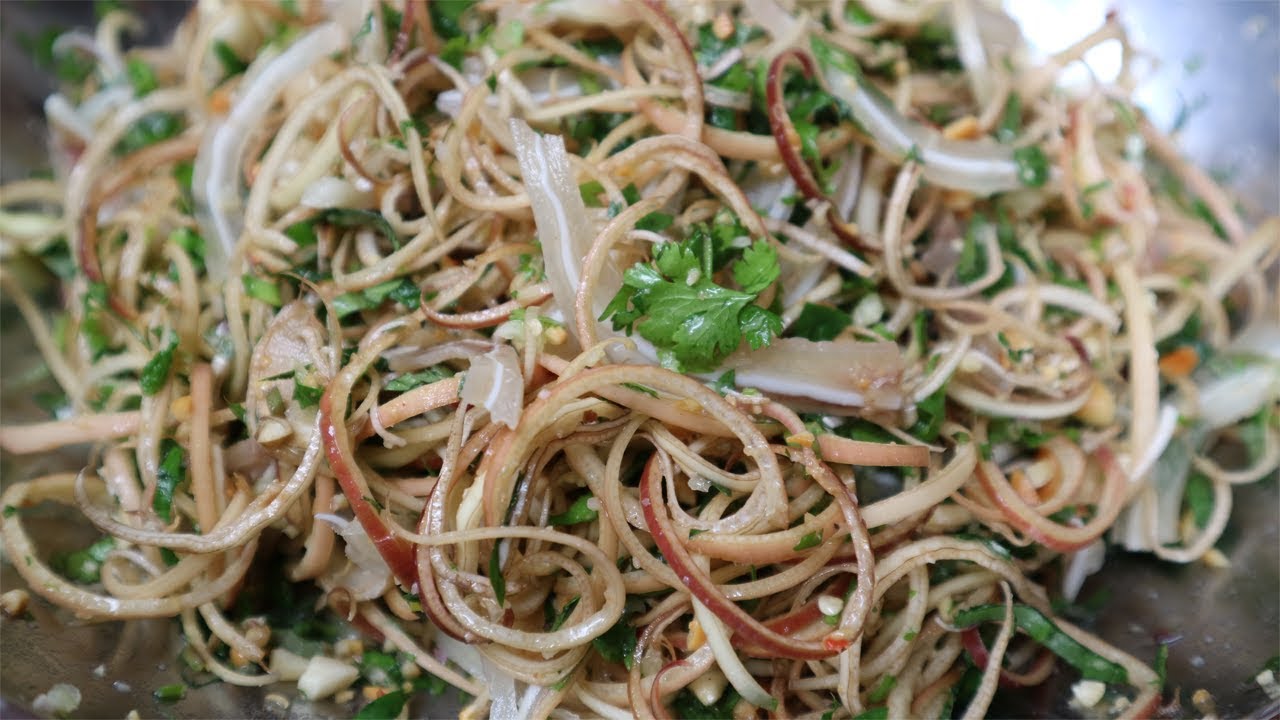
(591, 192)
(171, 473)
(579, 512)
(141, 77)
(303, 394)
(882, 689)
(696, 323)
(231, 63)
(171, 693)
(387, 707)
(149, 130)
(1041, 629)
(618, 643)
(262, 289)
(559, 619)
(820, 322)
(725, 383)
(687, 706)
(1011, 120)
(641, 389)
(1161, 665)
(192, 243)
(498, 582)
(156, 372)
(1199, 498)
(810, 540)
(446, 16)
(1033, 166)
(880, 712)
(655, 222)
(409, 381)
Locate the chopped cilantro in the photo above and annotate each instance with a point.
(156, 372)
(171, 473)
(820, 322)
(1033, 166)
(409, 381)
(141, 76)
(579, 512)
(262, 289)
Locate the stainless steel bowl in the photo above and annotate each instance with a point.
(1220, 62)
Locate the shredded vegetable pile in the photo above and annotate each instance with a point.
(689, 359)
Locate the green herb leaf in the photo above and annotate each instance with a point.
(303, 394)
(1041, 629)
(591, 192)
(655, 222)
(171, 473)
(190, 241)
(1011, 120)
(564, 613)
(813, 539)
(170, 693)
(149, 130)
(880, 712)
(1033, 166)
(495, 574)
(820, 322)
(1198, 497)
(618, 643)
(446, 16)
(674, 303)
(156, 372)
(387, 707)
(579, 512)
(688, 707)
(353, 218)
(758, 267)
(231, 63)
(726, 382)
(882, 689)
(262, 289)
(409, 381)
(141, 77)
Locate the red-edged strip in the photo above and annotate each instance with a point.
(489, 317)
(394, 549)
(788, 141)
(747, 630)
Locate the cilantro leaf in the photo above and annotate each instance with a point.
(172, 472)
(156, 372)
(758, 267)
(409, 381)
(618, 643)
(820, 322)
(386, 707)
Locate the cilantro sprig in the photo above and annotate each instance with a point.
(675, 302)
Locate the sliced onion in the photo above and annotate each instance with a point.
(495, 383)
(560, 215)
(726, 98)
(728, 660)
(369, 575)
(333, 192)
(843, 372)
(1244, 387)
(219, 205)
(1080, 565)
(982, 167)
(502, 691)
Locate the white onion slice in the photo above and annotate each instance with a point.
(727, 658)
(1080, 565)
(218, 195)
(369, 576)
(495, 383)
(842, 372)
(981, 167)
(333, 192)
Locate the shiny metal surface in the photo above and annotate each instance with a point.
(1228, 621)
